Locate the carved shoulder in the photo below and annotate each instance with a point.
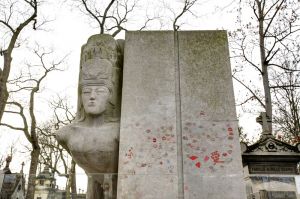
(62, 136)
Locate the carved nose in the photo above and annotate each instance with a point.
(92, 97)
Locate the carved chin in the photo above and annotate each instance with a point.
(94, 112)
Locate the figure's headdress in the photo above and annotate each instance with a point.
(101, 64)
(97, 72)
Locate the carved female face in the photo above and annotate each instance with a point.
(94, 99)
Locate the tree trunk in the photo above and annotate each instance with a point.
(264, 66)
(3, 80)
(32, 172)
(68, 186)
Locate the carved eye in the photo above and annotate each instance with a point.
(86, 91)
(102, 90)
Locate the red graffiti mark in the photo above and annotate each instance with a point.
(230, 131)
(198, 164)
(148, 131)
(191, 146)
(143, 165)
(206, 158)
(224, 154)
(164, 138)
(154, 140)
(215, 156)
(129, 154)
(186, 188)
(193, 157)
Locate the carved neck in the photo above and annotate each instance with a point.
(94, 121)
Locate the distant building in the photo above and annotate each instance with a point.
(12, 185)
(45, 186)
(271, 167)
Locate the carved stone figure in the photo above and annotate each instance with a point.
(93, 139)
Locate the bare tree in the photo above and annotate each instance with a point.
(15, 16)
(11, 151)
(110, 16)
(32, 85)
(53, 154)
(265, 42)
(186, 8)
(287, 107)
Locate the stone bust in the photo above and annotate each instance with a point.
(93, 139)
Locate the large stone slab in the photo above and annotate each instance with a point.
(211, 149)
(178, 135)
(148, 150)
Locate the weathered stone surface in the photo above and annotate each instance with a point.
(148, 150)
(211, 150)
(93, 138)
(179, 134)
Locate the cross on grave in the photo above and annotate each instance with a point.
(264, 121)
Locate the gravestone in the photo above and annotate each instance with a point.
(178, 133)
(271, 166)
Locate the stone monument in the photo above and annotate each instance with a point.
(271, 166)
(178, 130)
(93, 139)
(178, 136)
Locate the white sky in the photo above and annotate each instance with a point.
(71, 29)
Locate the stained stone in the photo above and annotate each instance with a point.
(178, 134)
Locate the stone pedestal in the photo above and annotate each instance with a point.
(178, 136)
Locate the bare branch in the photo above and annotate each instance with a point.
(250, 90)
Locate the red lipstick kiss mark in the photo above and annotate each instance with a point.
(193, 157)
